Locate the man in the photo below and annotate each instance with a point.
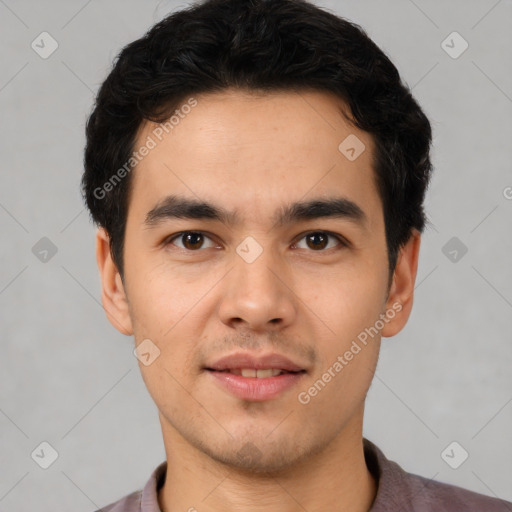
(258, 171)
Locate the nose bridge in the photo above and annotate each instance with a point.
(255, 266)
(257, 294)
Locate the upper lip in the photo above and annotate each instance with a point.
(242, 360)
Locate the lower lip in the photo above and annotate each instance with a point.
(255, 389)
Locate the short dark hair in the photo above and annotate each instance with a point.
(260, 46)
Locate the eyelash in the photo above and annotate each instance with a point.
(340, 239)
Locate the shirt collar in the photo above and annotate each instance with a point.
(388, 476)
(149, 498)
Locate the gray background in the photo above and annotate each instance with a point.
(69, 378)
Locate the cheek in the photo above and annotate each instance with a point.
(348, 353)
(162, 297)
(346, 340)
(162, 381)
(169, 309)
(347, 301)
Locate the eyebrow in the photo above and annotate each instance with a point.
(178, 207)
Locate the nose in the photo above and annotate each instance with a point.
(258, 295)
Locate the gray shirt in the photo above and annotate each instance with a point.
(398, 491)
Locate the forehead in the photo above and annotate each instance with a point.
(246, 149)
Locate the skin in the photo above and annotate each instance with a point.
(253, 154)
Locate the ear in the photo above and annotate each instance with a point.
(113, 295)
(401, 292)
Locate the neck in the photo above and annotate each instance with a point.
(336, 478)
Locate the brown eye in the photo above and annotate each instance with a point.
(190, 240)
(319, 240)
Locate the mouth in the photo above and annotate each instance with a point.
(256, 385)
(248, 363)
(255, 377)
(258, 373)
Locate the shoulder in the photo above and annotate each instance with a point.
(431, 495)
(145, 499)
(400, 490)
(129, 503)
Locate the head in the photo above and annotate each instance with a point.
(276, 129)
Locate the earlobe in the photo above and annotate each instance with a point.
(113, 294)
(401, 293)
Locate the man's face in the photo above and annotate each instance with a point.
(250, 284)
